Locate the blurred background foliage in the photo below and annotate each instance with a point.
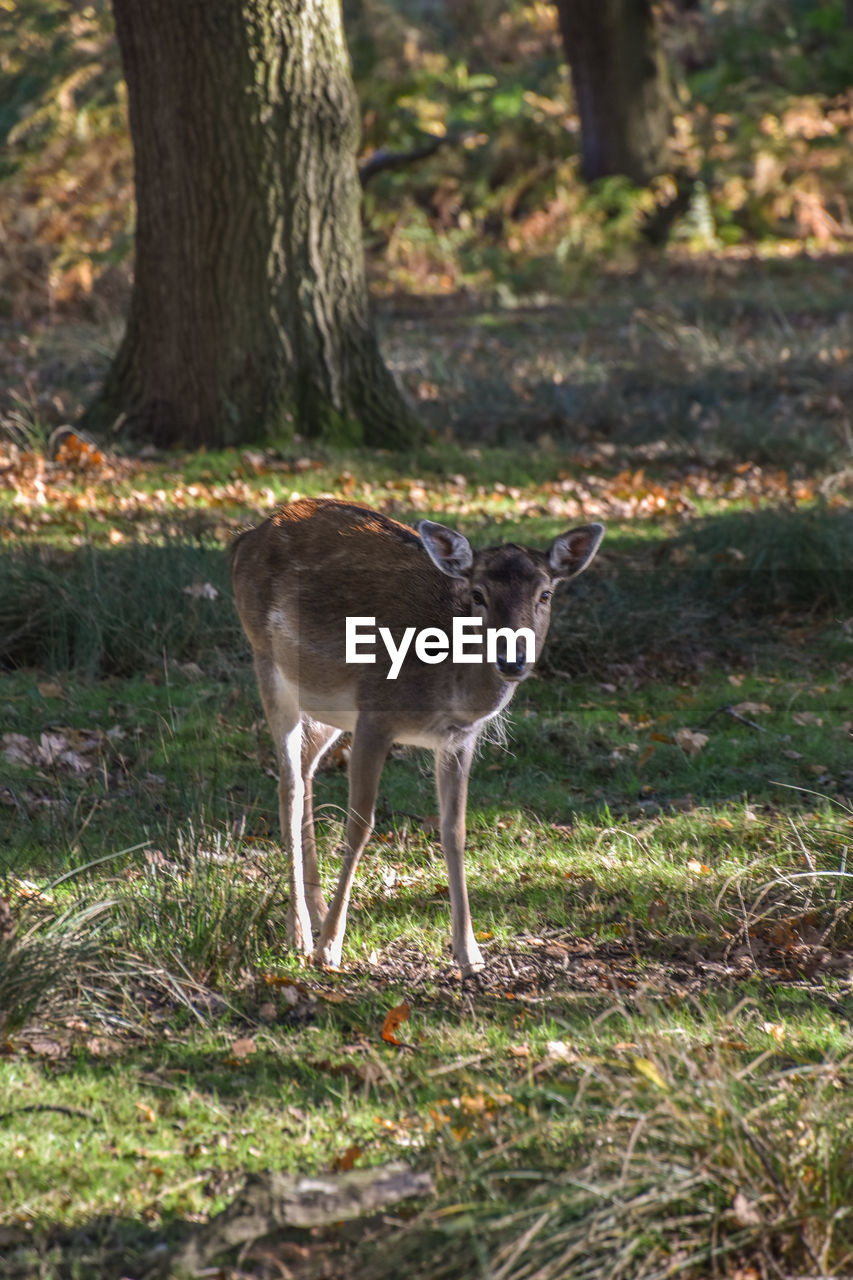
(763, 124)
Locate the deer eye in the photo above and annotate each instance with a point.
(477, 596)
(545, 597)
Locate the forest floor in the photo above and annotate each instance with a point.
(652, 1076)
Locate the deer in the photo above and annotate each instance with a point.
(299, 579)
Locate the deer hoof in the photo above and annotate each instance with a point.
(328, 954)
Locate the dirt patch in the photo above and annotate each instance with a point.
(539, 968)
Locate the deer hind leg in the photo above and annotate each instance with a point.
(369, 748)
(316, 740)
(452, 766)
(286, 725)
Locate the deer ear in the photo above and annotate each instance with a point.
(570, 554)
(449, 551)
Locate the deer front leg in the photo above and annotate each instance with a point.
(285, 721)
(369, 748)
(291, 805)
(316, 740)
(452, 766)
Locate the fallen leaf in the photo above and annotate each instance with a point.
(394, 1018)
(645, 1067)
(47, 1046)
(345, 1162)
(50, 689)
(243, 1048)
(752, 708)
(690, 741)
(807, 717)
(559, 1051)
(17, 749)
(102, 1046)
(745, 1212)
(698, 868)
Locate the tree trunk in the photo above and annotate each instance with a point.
(621, 87)
(249, 313)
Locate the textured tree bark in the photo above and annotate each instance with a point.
(249, 314)
(621, 87)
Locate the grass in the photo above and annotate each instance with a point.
(44, 957)
(651, 1076)
(686, 1158)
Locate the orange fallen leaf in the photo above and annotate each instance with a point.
(394, 1018)
(346, 1161)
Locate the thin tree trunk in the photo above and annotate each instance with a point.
(621, 87)
(249, 313)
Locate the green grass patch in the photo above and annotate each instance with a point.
(650, 1076)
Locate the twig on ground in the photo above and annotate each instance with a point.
(46, 1106)
(735, 715)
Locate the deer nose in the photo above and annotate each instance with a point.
(512, 668)
(518, 666)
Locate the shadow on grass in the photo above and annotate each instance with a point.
(115, 612)
(725, 586)
(119, 611)
(719, 359)
(109, 1247)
